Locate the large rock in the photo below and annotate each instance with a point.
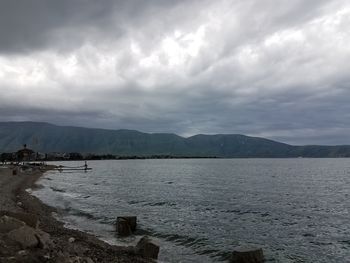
(44, 239)
(30, 219)
(8, 224)
(25, 236)
(247, 255)
(123, 227)
(147, 248)
(4, 248)
(88, 260)
(73, 259)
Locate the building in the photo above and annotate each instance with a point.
(25, 154)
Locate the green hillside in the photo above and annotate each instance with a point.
(45, 137)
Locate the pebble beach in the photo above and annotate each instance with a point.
(30, 233)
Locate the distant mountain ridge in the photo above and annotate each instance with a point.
(45, 137)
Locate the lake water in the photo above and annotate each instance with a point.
(297, 210)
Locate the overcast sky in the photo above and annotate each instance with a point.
(278, 69)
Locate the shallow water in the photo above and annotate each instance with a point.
(297, 210)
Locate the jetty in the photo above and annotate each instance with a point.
(73, 168)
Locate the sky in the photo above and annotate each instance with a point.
(266, 68)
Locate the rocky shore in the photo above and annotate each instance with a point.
(29, 232)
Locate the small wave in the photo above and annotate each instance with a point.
(222, 255)
(198, 245)
(209, 252)
(144, 232)
(183, 240)
(37, 186)
(346, 242)
(244, 212)
(161, 204)
(133, 202)
(321, 243)
(230, 211)
(57, 189)
(47, 178)
(248, 212)
(85, 214)
(308, 235)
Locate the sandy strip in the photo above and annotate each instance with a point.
(14, 198)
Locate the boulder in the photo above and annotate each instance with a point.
(25, 236)
(60, 257)
(30, 219)
(247, 255)
(123, 227)
(8, 224)
(4, 249)
(73, 259)
(88, 260)
(44, 239)
(22, 253)
(147, 248)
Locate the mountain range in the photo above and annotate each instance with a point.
(45, 137)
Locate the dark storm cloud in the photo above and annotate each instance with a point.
(276, 69)
(28, 25)
(36, 24)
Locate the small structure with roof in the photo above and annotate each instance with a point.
(25, 154)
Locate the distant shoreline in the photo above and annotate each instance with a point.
(184, 157)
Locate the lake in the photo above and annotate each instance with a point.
(297, 210)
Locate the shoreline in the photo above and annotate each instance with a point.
(15, 200)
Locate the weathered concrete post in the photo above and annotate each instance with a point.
(132, 220)
(147, 248)
(123, 227)
(247, 255)
(126, 225)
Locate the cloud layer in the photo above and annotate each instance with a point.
(257, 67)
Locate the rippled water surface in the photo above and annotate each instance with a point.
(297, 210)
